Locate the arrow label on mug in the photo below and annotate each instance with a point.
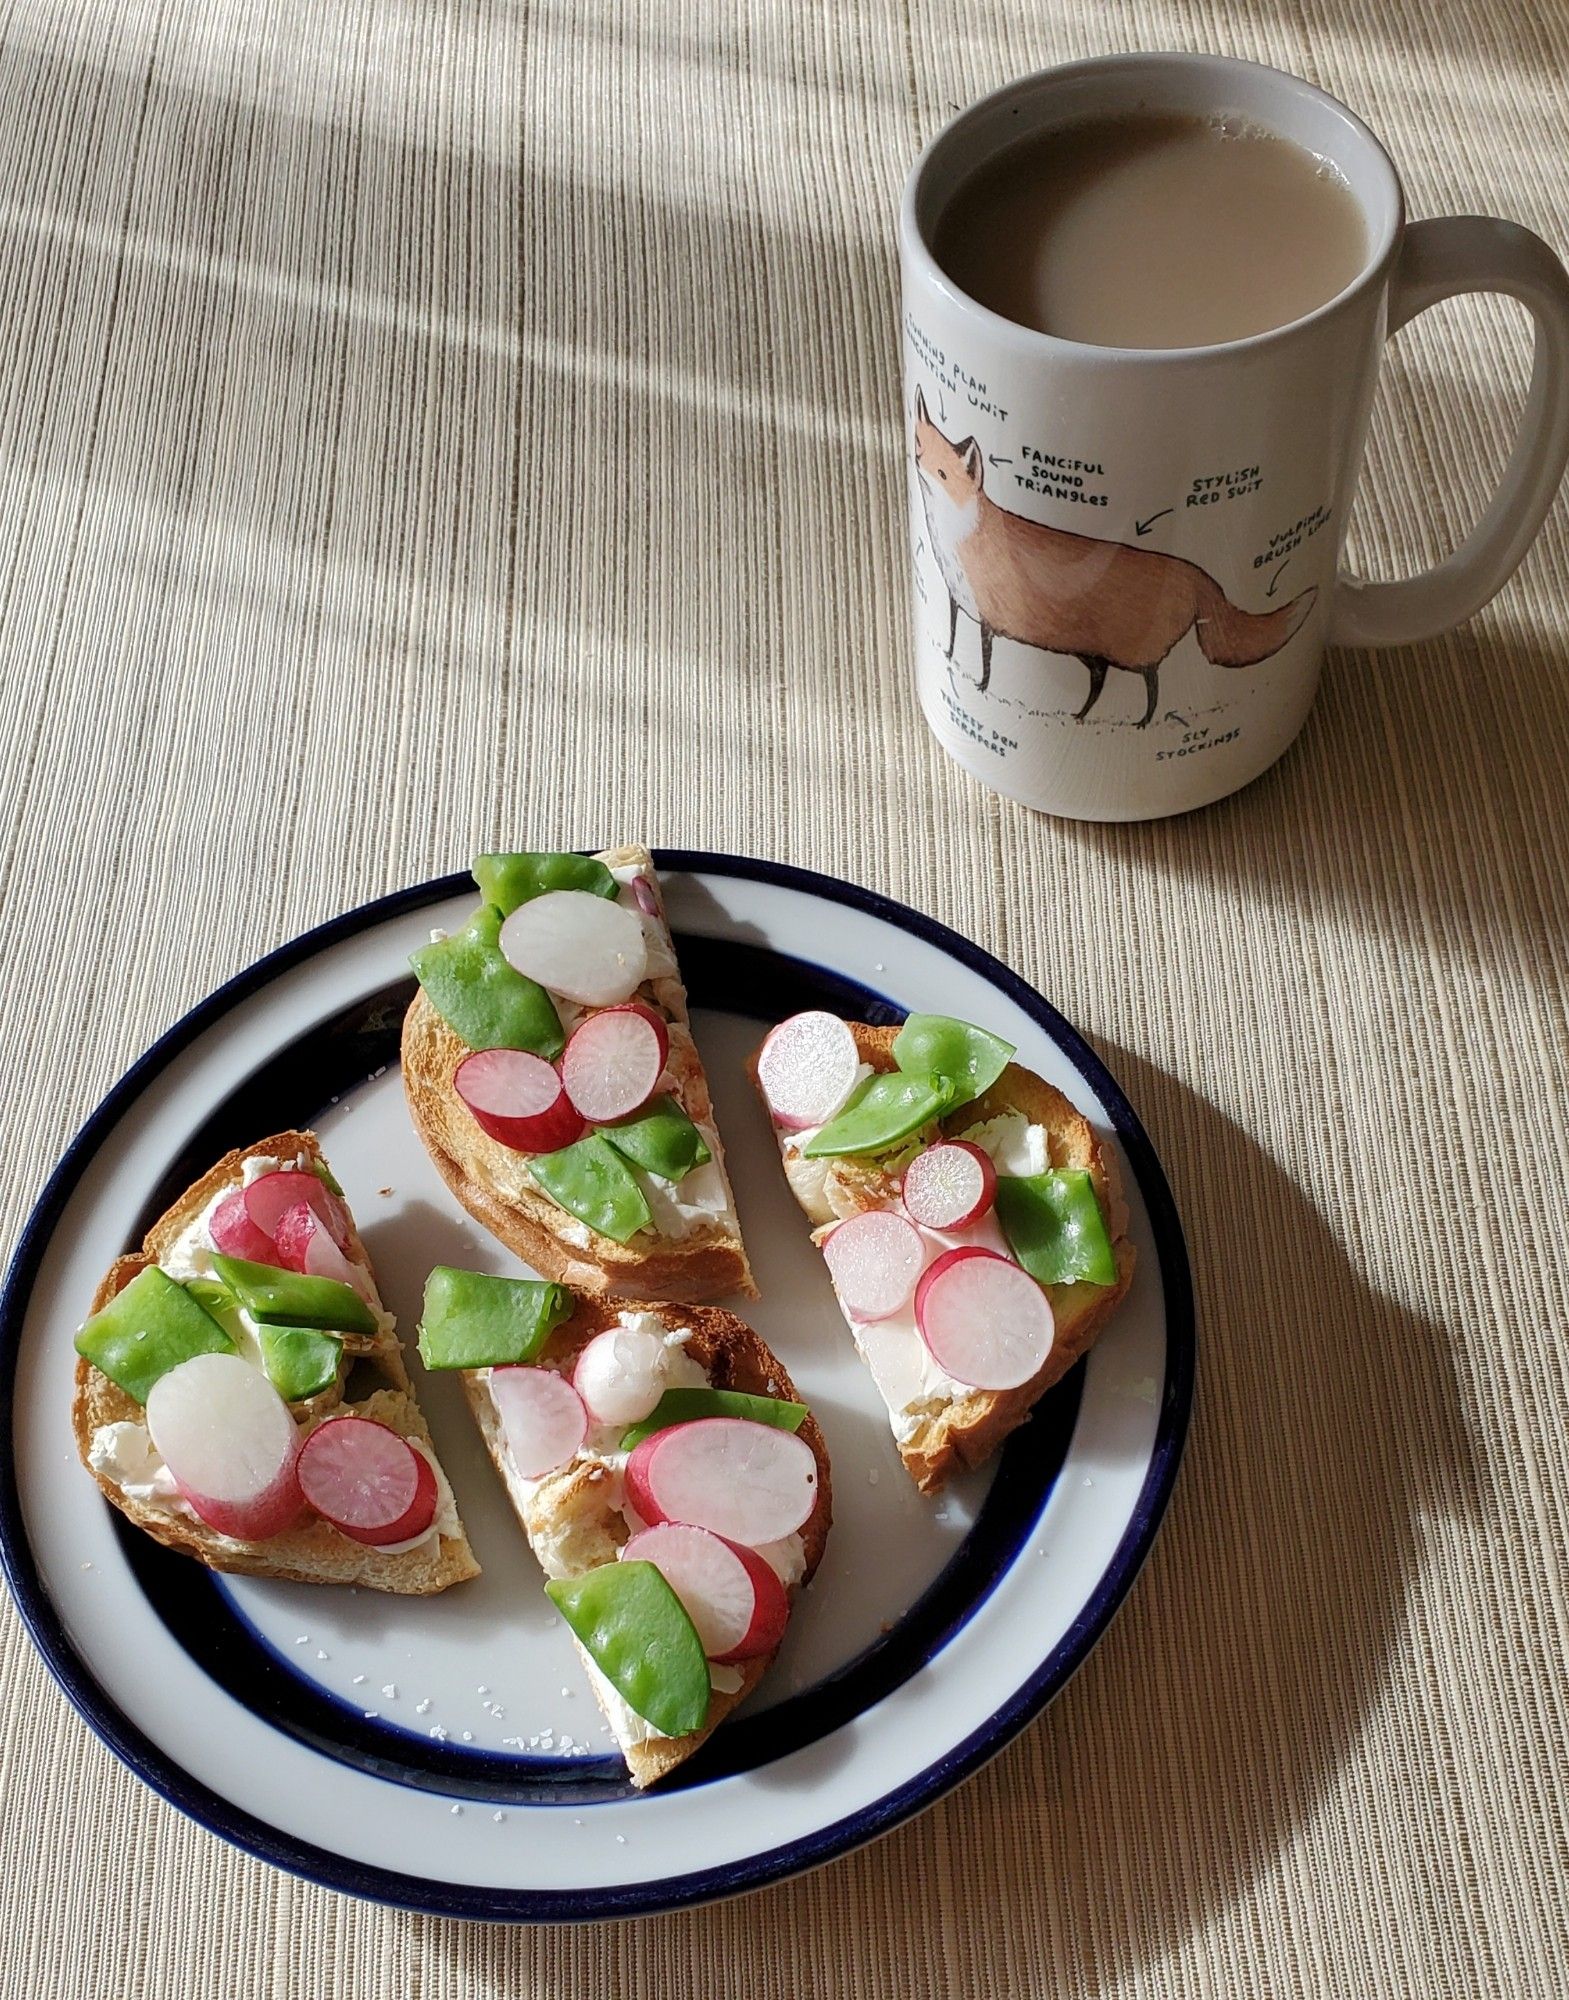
(1279, 573)
(1143, 527)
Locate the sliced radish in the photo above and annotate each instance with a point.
(230, 1445)
(748, 1482)
(368, 1481)
(644, 896)
(987, 1323)
(874, 1260)
(543, 1416)
(233, 1232)
(519, 1100)
(620, 1375)
(949, 1186)
(613, 1062)
(579, 945)
(269, 1199)
(807, 1068)
(737, 1603)
(304, 1243)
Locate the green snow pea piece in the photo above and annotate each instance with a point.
(884, 1110)
(1054, 1225)
(684, 1406)
(511, 880)
(591, 1181)
(327, 1177)
(147, 1329)
(300, 1361)
(961, 1060)
(637, 1632)
(293, 1298)
(485, 1001)
(472, 1320)
(661, 1140)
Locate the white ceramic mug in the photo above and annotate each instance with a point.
(1059, 667)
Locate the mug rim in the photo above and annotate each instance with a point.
(922, 263)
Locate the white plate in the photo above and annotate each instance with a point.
(443, 1753)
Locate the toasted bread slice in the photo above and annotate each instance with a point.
(493, 1182)
(372, 1382)
(939, 1435)
(573, 1518)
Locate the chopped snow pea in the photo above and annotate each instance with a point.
(300, 1361)
(511, 880)
(661, 1140)
(292, 1298)
(684, 1406)
(1053, 1223)
(327, 1177)
(147, 1329)
(961, 1060)
(591, 1181)
(882, 1111)
(482, 998)
(472, 1320)
(639, 1635)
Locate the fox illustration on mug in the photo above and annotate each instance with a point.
(1108, 603)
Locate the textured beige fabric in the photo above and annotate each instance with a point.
(428, 425)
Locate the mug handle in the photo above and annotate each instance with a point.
(1442, 259)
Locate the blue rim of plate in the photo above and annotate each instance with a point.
(410, 1892)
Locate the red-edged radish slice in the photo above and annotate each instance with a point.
(620, 1374)
(518, 1099)
(233, 1232)
(807, 1068)
(737, 1603)
(304, 1243)
(579, 945)
(230, 1445)
(987, 1323)
(269, 1199)
(368, 1481)
(613, 1061)
(748, 1482)
(874, 1260)
(543, 1416)
(949, 1186)
(644, 896)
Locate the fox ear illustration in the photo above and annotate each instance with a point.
(970, 456)
(920, 408)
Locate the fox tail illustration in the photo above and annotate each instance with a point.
(1232, 637)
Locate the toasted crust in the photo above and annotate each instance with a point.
(493, 1183)
(314, 1552)
(968, 1430)
(735, 1358)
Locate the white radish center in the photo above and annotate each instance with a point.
(748, 1482)
(612, 1063)
(620, 1374)
(987, 1323)
(507, 1083)
(711, 1580)
(579, 945)
(948, 1186)
(874, 1260)
(807, 1068)
(221, 1428)
(542, 1415)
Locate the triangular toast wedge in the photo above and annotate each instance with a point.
(947, 1426)
(115, 1445)
(577, 1517)
(693, 1250)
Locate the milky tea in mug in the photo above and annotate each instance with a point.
(1144, 303)
(1155, 229)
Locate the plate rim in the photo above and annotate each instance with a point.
(218, 1815)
